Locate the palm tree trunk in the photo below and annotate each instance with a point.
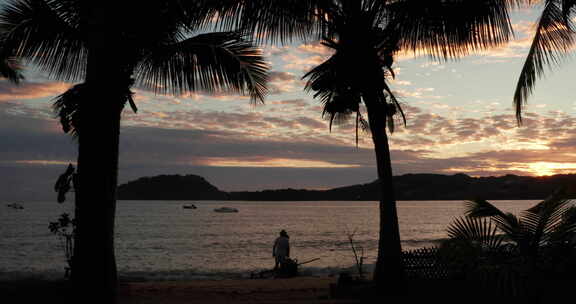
(97, 171)
(389, 269)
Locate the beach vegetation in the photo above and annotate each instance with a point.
(67, 182)
(359, 254)
(65, 228)
(513, 254)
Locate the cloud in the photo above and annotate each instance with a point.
(301, 63)
(418, 93)
(315, 49)
(291, 102)
(401, 82)
(284, 82)
(227, 145)
(32, 139)
(310, 123)
(31, 90)
(276, 76)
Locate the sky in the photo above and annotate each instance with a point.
(460, 119)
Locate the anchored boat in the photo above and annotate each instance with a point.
(15, 206)
(226, 210)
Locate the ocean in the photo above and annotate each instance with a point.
(160, 240)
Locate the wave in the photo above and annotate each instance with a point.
(31, 275)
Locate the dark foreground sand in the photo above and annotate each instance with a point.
(300, 290)
(293, 290)
(258, 291)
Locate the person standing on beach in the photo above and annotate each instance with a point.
(281, 249)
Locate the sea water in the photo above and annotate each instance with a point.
(160, 240)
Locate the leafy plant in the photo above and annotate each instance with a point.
(65, 229)
(64, 183)
(511, 253)
(549, 224)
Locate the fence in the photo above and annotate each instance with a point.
(424, 263)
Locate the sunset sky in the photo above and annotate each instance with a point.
(460, 120)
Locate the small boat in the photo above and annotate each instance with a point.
(190, 206)
(15, 206)
(226, 210)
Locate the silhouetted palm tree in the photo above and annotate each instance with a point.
(110, 45)
(554, 38)
(365, 36)
(66, 106)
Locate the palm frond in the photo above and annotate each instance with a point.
(513, 227)
(274, 21)
(450, 29)
(477, 230)
(564, 232)
(546, 217)
(341, 106)
(568, 6)
(11, 70)
(332, 90)
(395, 106)
(66, 107)
(552, 40)
(481, 208)
(44, 32)
(510, 224)
(336, 83)
(212, 62)
(322, 79)
(340, 100)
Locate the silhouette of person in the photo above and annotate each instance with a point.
(281, 249)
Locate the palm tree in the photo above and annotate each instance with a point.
(508, 249)
(110, 46)
(550, 223)
(66, 106)
(553, 39)
(365, 36)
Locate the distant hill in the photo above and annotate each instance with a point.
(408, 187)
